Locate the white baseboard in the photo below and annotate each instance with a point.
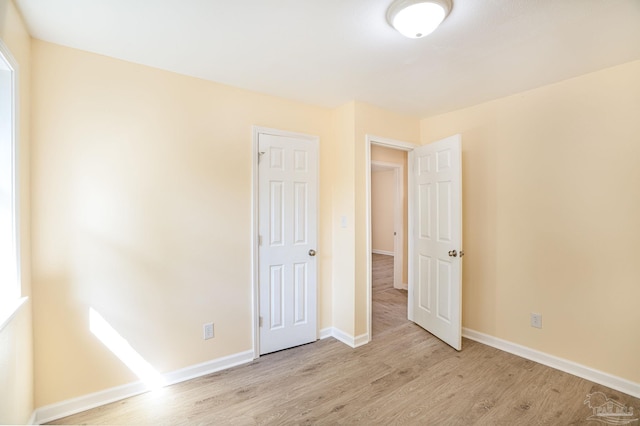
(361, 340)
(75, 405)
(32, 419)
(208, 367)
(345, 338)
(326, 332)
(385, 252)
(588, 373)
(86, 402)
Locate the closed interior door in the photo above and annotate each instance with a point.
(287, 237)
(435, 294)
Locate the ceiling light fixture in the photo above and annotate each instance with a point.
(417, 18)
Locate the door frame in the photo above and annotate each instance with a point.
(398, 218)
(388, 143)
(255, 226)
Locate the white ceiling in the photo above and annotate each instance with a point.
(328, 52)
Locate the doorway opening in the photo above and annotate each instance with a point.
(389, 209)
(435, 236)
(387, 234)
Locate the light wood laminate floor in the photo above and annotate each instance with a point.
(403, 376)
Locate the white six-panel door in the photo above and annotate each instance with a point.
(287, 197)
(435, 294)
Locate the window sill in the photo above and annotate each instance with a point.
(8, 312)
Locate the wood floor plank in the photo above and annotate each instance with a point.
(404, 376)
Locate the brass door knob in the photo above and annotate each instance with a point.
(453, 253)
(312, 252)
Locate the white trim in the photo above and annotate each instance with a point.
(75, 405)
(32, 419)
(7, 315)
(15, 154)
(385, 252)
(202, 369)
(348, 339)
(389, 143)
(367, 227)
(72, 406)
(588, 373)
(361, 340)
(326, 332)
(255, 229)
(255, 216)
(411, 242)
(345, 338)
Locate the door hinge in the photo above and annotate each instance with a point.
(259, 240)
(260, 321)
(260, 154)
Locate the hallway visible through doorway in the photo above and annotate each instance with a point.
(389, 304)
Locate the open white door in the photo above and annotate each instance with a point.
(288, 182)
(435, 284)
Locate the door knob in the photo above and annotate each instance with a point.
(312, 252)
(453, 253)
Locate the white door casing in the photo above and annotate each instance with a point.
(435, 285)
(287, 228)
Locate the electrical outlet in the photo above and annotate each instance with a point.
(536, 320)
(207, 331)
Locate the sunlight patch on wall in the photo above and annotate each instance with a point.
(124, 351)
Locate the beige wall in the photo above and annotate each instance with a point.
(389, 155)
(551, 212)
(352, 122)
(342, 152)
(142, 200)
(141, 217)
(371, 120)
(383, 193)
(16, 349)
(142, 211)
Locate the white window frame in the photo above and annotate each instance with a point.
(11, 293)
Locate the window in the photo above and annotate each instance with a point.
(9, 237)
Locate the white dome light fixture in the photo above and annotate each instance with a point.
(417, 18)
